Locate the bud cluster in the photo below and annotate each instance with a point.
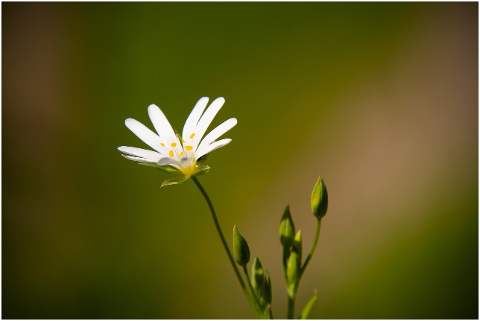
(292, 243)
(259, 280)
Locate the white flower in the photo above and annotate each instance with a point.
(172, 152)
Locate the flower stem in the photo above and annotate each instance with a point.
(222, 238)
(291, 307)
(314, 246)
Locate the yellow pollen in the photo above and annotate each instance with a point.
(174, 144)
(181, 154)
(189, 148)
(183, 141)
(163, 145)
(171, 153)
(192, 135)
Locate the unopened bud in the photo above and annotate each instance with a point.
(241, 251)
(319, 199)
(293, 272)
(297, 244)
(258, 279)
(267, 294)
(287, 229)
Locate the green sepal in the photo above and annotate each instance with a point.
(308, 307)
(166, 169)
(297, 244)
(293, 272)
(267, 293)
(319, 199)
(176, 180)
(287, 228)
(203, 169)
(257, 278)
(241, 251)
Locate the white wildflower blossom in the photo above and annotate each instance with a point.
(175, 153)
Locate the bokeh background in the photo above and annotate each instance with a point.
(381, 99)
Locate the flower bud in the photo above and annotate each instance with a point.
(287, 229)
(297, 244)
(258, 279)
(267, 294)
(293, 272)
(241, 251)
(319, 199)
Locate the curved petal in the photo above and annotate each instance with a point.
(163, 127)
(145, 134)
(206, 120)
(138, 159)
(212, 147)
(139, 152)
(168, 161)
(217, 132)
(194, 117)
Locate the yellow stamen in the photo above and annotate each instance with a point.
(181, 154)
(174, 144)
(189, 148)
(192, 135)
(163, 145)
(171, 153)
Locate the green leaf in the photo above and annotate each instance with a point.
(174, 181)
(308, 307)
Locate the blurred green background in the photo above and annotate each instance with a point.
(381, 99)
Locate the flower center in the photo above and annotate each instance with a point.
(189, 169)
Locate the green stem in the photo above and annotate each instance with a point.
(257, 302)
(222, 238)
(314, 246)
(291, 306)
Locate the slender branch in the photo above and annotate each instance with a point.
(291, 307)
(222, 238)
(314, 246)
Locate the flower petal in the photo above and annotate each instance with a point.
(206, 120)
(139, 152)
(145, 134)
(138, 159)
(162, 126)
(217, 132)
(212, 147)
(168, 161)
(194, 117)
